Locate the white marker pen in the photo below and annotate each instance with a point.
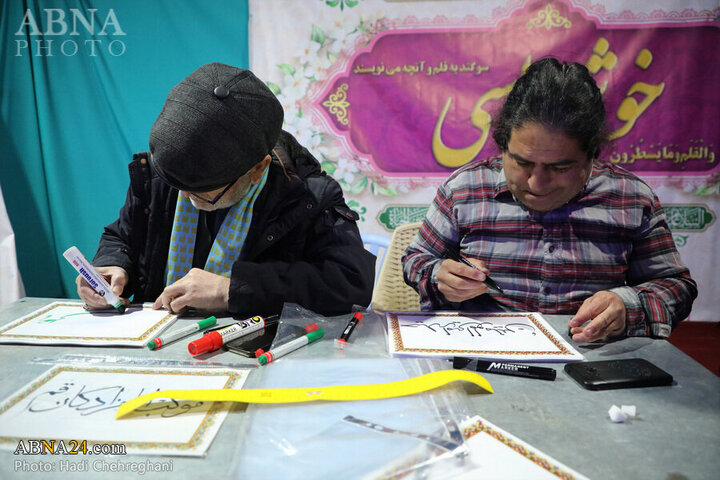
(96, 281)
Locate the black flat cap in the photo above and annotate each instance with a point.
(214, 127)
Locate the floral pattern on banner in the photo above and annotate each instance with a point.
(327, 52)
(304, 75)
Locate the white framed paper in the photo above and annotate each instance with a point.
(69, 323)
(76, 403)
(500, 454)
(491, 453)
(524, 336)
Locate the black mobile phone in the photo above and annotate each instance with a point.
(620, 373)
(247, 345)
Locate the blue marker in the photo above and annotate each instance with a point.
(93, 278)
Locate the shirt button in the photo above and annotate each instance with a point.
(270, 238)
(147, 210)
(309, 206)
(547, 290)
(143, 160)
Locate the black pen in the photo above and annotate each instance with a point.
(345, 336)
(513, 369)
(488, 281)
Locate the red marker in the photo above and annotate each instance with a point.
(345, 336)
(214, 340)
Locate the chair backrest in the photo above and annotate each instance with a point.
(391, 292)
(378, 246)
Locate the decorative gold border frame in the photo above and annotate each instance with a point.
(144, 337)
(397, 340)
(208, 421)
(481, 427)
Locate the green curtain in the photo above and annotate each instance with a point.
(81, 82)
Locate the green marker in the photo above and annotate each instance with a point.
(291, 346)
(181, 333)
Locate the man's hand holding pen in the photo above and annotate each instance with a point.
(459, 282)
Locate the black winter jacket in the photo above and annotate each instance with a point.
(303, 245)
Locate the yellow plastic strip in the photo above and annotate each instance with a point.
(338, 393)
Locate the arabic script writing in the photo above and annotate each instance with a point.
(87, 400)
(474, 328)
(421, 67)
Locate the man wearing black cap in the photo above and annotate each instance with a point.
(227, 212)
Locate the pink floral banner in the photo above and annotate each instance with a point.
(419, 102)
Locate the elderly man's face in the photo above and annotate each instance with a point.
(544, 169)
(237, 191)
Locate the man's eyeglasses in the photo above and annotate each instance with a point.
(217, 197)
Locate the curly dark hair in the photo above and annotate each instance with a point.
(560, 96)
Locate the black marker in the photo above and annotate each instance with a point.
(488, 281)
(516, 370)
(348, 330)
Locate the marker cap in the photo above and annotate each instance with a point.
(155, 343)
(208, 322)
(207, 343)
(315, 335)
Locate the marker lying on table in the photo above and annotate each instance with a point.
(345, 336)
(488, 281)
(180, 333)
(93, 278)
(291, 336)
(513, 369)
(216, 339)
(290, 346)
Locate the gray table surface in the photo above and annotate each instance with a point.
(675, 435)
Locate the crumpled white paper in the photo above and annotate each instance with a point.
(620, 414)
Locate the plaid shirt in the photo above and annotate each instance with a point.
(612, 236)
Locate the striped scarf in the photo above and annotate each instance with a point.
(228, 243)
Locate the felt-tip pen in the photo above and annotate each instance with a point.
(290, 346)
(488, 281)
(345, 336)
(93, 278)
(217, 338)
(180, 333)
(513, 369)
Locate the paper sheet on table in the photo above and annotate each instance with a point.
(492, 453)
(71, 402)
(524, 336)
(69, 323)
